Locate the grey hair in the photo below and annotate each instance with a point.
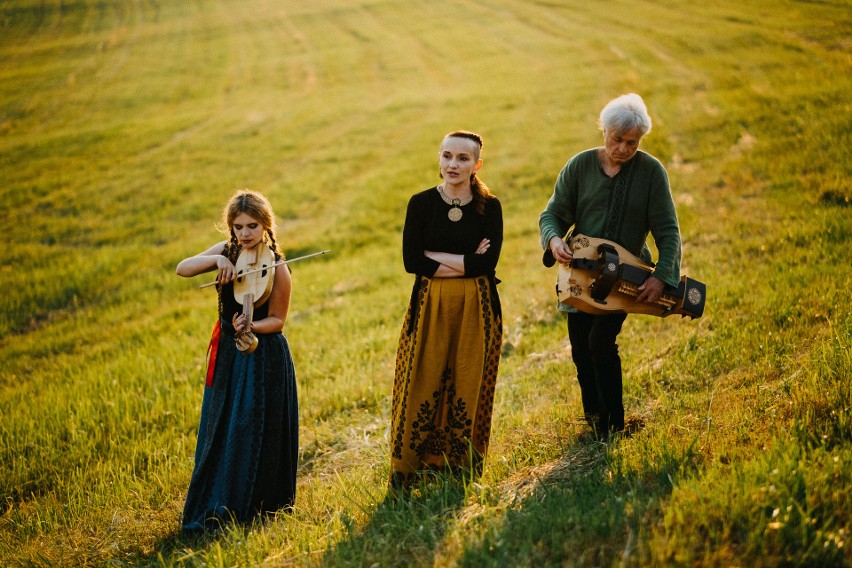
(623, 113)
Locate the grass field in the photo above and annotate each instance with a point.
(125, 127)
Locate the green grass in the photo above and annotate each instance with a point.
(124, 128)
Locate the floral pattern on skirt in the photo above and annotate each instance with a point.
(446, 372)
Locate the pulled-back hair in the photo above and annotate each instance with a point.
(623, 113)
(256, 206)
(481, 193)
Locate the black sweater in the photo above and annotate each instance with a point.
(427, 227)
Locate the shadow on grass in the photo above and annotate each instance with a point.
(582, 512)
(181, 546)
(408, 528)
(177, 545)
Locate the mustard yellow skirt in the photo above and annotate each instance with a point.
(446, 371)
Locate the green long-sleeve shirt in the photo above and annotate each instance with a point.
(624, 209)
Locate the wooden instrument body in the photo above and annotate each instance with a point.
(604, 278)
(255, 274)
(252, 287)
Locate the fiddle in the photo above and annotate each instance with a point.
(255, 269)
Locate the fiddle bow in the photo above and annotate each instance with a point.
(279, 263)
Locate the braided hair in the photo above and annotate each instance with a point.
(480, 191)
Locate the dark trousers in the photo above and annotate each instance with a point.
(595, 355)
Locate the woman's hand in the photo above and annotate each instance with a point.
(452, 265)
(240, 324)
(441, 257)
(244, 339)
(227, 270)
(206, 261)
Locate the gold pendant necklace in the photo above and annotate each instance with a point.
(455, 212)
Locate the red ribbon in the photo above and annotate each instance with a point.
(212, 350)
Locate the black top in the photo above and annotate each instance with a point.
(230, 306)
(427, 227)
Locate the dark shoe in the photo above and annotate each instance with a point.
(592, 420)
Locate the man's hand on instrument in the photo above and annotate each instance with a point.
(560, 249)
(650, 290)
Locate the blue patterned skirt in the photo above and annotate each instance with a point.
(248, 439)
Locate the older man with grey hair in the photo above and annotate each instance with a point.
(619, 193)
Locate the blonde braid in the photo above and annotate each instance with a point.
(232, 249)
(274, 245)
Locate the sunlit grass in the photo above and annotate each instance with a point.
(124, 128)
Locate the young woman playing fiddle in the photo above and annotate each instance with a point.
(247, 450)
